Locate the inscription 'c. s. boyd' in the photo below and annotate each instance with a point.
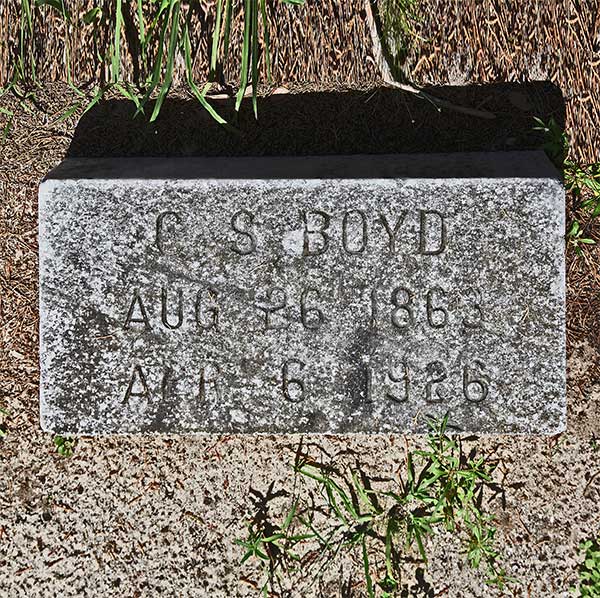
(301, 305)
(355, 232)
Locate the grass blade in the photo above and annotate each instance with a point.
(215, 41)
(153, 83)
(290, 516)
(227, 32)
(245, 54)
(97, 97)
(200, 96)
(368, 579)
(116, 55)
(141, 26)
(174, 18)
(265, 22)
(255, 73)
(69, 112)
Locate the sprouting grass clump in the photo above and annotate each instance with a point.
(398, 18)
(64, 445)
(589, 572)
(346, 512)
(581, 180)
(162, 39)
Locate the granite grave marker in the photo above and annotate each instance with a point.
(322, 294)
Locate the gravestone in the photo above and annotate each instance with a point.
(309, 294)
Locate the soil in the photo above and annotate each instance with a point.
(148, 515)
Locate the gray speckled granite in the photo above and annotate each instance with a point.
(357, 294)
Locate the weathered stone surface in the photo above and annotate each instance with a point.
(330, 294)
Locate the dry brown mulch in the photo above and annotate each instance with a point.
(518, 40)
(470, 41)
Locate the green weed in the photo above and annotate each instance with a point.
(25, 63)
(347, 512)
(589, 572)
(64, 445)
(272, 546)
(10, 115)
(398, 18)
(576, 238)
(24, 71)
(581, 181)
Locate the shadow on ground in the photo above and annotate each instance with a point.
(377, 120)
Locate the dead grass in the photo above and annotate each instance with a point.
(31, 151)
(322, 40)
(469, 41)
(518, 40)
